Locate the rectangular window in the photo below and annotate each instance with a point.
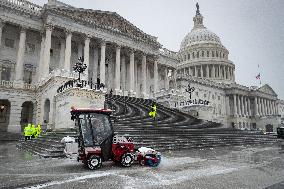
(5, 74)
(207, 53)
(30, 48)
(9, 43)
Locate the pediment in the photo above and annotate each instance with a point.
(267, 89)
(106, 20)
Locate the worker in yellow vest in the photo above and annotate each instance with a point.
(28, 132)
(33, 129)
(153, 112)
(38, 130)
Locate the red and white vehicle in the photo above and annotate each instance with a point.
(97, 142)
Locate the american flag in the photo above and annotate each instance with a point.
(258, 76)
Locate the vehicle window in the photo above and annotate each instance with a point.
(101, 127)
(86, 130)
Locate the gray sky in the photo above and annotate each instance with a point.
(252, 31)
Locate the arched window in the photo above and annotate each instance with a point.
(207, 53)
(223, 55)
(184, 57)
(193, 55)
(216, 54)
(212, 53)
(202, 53)
(188, 56)
(197, 54)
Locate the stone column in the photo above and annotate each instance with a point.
(201, 71)
(242, 105)
(233, 74)
(117, 71)
(195, 71)
(15, 117)
(144, 76)
(62, 51)
(235, 106)
(239, 106)
(102, 62)
(19, 70)
(175, 78)
(80, 50)
(166, 79)
(249, 108)
(87, 56)
(246, 106)
(207, 71)
(219, 71)
(131, 73)
(274, 108)
(156, 76)
(262, 106)
(123, 74)
(95, 67)
(67, 50)
(40, 63)
(265, 107)
(213, 71)
(189, 71)
(2, 24)
(47, 45)
(226, 72)
(256, 106)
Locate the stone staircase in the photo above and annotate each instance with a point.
(8, 137)
(172, 130)
(47, 145)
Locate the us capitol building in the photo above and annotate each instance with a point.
(40, 45)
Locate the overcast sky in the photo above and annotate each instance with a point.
(252, 31)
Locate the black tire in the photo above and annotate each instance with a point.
(127, 159)
(94, 162)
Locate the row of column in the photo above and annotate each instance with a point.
(211, 71)
(242, 106)
(65, 59)
(265, 106)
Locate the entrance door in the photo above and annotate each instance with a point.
(5, 108)
(269, 128)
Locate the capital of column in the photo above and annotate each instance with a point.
(2, 23)
(23, 29)
(48, 26)
(103, 43)
(68, 31)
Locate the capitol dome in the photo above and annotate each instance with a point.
(202, 54)
(199, 35)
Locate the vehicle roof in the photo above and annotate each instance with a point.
(91, 110)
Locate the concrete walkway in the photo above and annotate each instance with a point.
(237, 167)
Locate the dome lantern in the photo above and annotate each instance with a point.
(198, 19)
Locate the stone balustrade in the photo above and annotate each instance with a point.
(23, 4)
(6, 84)
(11, 85)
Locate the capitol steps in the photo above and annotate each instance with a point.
(172, 130)
(47, 145)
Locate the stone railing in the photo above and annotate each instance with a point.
(29, 86)
(6, 84)
(61, 73)
(13, 85)
(23, 5)
(168, 53)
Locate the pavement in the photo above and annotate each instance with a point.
(227, 167)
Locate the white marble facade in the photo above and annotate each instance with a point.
(40, 45)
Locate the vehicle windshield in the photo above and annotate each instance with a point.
(95, 128)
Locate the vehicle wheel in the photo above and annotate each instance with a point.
(142, 162)
(127, 159)
(152, 163)
(94, 162)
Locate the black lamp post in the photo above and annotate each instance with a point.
(190, 90)
(80, 67)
